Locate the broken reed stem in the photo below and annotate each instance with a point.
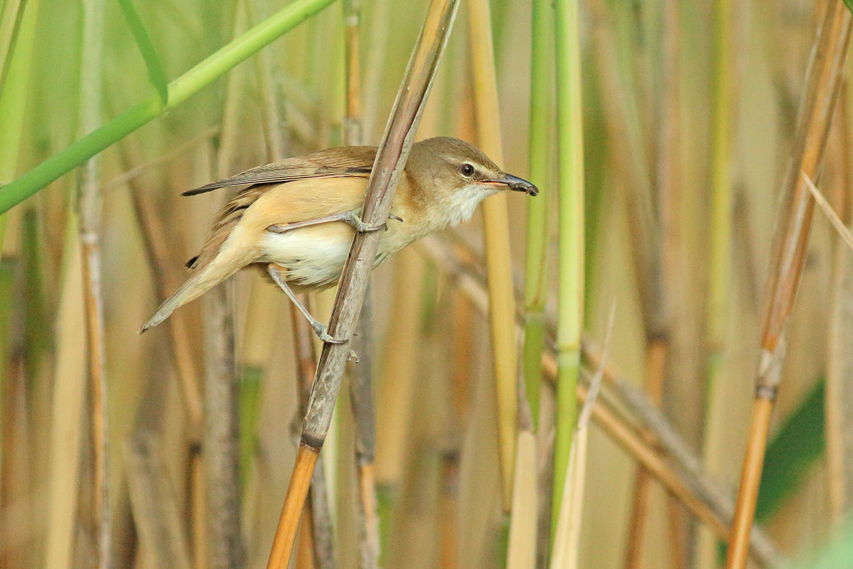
(496, 235)
(538, 230)
(387, 171)
(790, 244)
(567, 529)
(571, 235)
(469, 279)
(90, 208)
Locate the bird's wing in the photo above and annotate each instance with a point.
(277, 203)
(332, 163)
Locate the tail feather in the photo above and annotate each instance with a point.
(228, 262)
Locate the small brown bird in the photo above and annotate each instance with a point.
(298, 216)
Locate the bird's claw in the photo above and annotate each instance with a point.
(354, 219)
(323, 333)
(353, 356)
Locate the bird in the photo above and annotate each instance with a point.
(296, 218)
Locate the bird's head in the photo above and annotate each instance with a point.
(454, 177)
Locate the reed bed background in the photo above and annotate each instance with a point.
(662, 137)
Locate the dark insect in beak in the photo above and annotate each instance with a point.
(517, 184)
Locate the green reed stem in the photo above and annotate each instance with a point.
(535, 293)
(180, 90)
(571, 237)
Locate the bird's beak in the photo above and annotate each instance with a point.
(516, 184)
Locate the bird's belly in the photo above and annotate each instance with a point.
(313, 258)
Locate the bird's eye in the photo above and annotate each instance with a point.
(466, 170)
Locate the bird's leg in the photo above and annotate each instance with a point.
(320, 329)
(349, 217)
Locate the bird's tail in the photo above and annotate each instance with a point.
(228, 262)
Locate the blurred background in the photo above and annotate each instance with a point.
(689, 110)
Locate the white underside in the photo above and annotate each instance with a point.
(310, 259)
(315, 256)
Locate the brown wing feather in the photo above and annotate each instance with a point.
(352, 162)
(330, 163)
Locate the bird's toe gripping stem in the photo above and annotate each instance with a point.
(354, 219)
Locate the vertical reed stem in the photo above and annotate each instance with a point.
(498, 257)
(361, 387)
(90, 227)
(536, 275)
(571, 236)
(790, 243)
(390, 162)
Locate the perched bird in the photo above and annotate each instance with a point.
(298, 216)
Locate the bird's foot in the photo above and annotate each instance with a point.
(354, 219)
(353, 357)
(322, 332)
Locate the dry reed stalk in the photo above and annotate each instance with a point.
(568, 527)
(160, 251)
(315, 547)
(156, 512)
(496, 235)
(839, 226)
(388, 168)
(305, 540)
(839, 396)
(668, 441)
(376, 54)
(69, 387)
(159, 247)
(364, 414)
(396, 398)
(462, 346)
(90, 207)
(521, 551)
(788, 254)
(221, 437)
(624, 131)
(524, 517)
(657, 350)
(316, 527)
(21, 416)
(361, 388)
(221, 442)
(469, 279)
(679, 484)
